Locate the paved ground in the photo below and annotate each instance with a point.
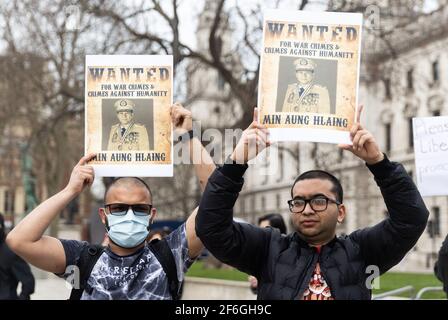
(51, 289)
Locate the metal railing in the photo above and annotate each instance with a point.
(394, 292)
(406, 289)
(427, 289)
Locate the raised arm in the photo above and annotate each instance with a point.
(203, 166)
(27, 239)
(203, 162)
(386, 243)
(238, 244)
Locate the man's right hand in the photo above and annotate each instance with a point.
(253, 282)
(82, 175)
(181, 118)
(254, 140)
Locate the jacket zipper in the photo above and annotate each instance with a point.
(327, 280)
(298, 293)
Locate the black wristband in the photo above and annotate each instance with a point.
(234, 171)
(187, 136)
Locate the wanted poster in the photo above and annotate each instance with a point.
(127, 114)
(309, 75)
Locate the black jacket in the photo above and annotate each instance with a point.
(283, 265)
(13, 270)
(441, 265)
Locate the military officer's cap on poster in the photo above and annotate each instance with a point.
(124, 105)
(304, 64)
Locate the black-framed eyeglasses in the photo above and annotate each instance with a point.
(121, 209)
(318, 204)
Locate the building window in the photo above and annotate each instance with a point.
(263, 203)
(221, 82)
(278, 201)
(281, 156)
(253, 204)
(436, 113)
(436, 221)
(410, 133)
(387, 133)
(387, 92)
(9, 202)
(435, 71)
(410, 79)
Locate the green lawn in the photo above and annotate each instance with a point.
(394, 280)
(388, 281)
(198, 270)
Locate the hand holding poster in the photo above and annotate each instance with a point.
(127, 115)
(431, 155)
(309, 75)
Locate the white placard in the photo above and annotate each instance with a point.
(431, 155)
(127, 114)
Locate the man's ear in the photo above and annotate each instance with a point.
(102, 214)
(341, 213)
(153, 215)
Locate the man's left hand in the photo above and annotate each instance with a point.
(364, 145)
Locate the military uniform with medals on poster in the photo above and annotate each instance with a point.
(127, 135)
(305, 96)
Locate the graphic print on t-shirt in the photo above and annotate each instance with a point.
(137, 276)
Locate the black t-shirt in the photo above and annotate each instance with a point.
(139, 276)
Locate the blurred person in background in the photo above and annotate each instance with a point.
(441, 265)
(274, 220)
(12, 271)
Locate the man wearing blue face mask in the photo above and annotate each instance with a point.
(128, 268)
(127, 225)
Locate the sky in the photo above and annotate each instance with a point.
(190, 9)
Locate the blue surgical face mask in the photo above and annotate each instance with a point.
(128, 231)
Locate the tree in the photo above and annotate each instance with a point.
(46, 42)
(48, 105)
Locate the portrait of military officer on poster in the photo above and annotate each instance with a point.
(127, 134)
(305, 95)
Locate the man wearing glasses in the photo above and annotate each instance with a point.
(312, 263)
(127, 268)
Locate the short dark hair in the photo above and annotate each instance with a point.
(123, 180)
(322, 175)
(275, 221)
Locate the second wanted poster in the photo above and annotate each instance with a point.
(127, 114)
(309, 75)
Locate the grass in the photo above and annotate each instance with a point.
(394, 280)
(198, 270)
(388, 281)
